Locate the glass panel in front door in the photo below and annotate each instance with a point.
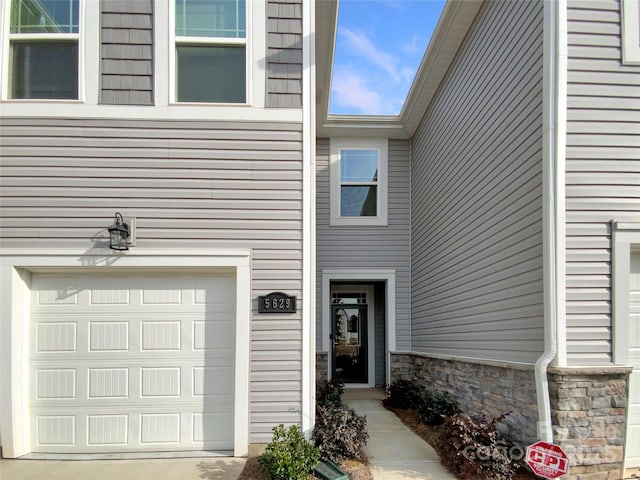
(349, 340)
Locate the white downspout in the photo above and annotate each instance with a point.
(554, 151)
(309, 220)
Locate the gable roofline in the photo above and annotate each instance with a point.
(452, 27)
(454, 23)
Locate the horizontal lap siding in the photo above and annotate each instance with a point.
(477, 196)
(189, 185)
(372, 247)
(602, 170)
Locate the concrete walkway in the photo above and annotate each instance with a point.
(394, 451)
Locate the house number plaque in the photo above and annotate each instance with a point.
(276, 302)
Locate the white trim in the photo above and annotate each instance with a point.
(625, 240)
(553, 222)
(210, 112)
(161, 54)
(308, 221)
(381, 145)
(89, 51)
(14, 322)
(360, 276)
(5, 14)
(630, 32)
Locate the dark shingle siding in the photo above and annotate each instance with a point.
(284, 52)
(126, 50)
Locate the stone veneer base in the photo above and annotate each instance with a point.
(588, 405)
(589, 413)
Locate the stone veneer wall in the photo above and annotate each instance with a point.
(589, 411)
(478, 388)
(588, 405)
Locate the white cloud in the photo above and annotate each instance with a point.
(360, 44)
(350, 92)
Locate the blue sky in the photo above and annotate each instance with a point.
(379, 46)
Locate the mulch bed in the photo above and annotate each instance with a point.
(432, 435)
(355, 469)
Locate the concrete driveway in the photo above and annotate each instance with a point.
(209, 468)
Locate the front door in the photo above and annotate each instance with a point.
(349, 337)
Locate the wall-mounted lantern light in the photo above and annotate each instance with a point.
(118, 233)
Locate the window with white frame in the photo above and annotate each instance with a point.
(44, 49)
(630, 32)
(210, 51)
(358, 173)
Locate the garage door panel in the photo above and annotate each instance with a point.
(132, 363)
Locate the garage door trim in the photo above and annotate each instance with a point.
(626, 241)
(15, 268)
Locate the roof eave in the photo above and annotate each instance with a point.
(450, 32)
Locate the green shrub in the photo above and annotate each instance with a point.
(436, 406)
(340, 433)
(289, 456)
(405, 394)
(472, 447)
(330, 394)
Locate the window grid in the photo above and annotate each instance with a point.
(354, 189)
(31, 41)
(47, 24)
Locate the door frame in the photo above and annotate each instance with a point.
(361, 276)
(16, 266)
(371, 353)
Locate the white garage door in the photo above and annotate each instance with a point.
(132, 362)
(633, 429)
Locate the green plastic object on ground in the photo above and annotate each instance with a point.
(328, 470)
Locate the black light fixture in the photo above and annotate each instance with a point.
(118, 233)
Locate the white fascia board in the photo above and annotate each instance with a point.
(453, 26)
(369, 127)
(326, 11)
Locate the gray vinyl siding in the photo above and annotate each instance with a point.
(126, 52)
(214, 185)
(380, 333)
(477, 281)
(602, 170)
(284, 53)
(370, 247)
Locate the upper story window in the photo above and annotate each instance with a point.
(631, 32)
(43, 49)
(358, 173)
(210, 51)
